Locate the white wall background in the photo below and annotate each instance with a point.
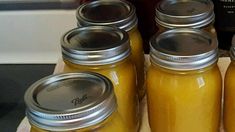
(33, 37)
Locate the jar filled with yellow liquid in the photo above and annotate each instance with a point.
(105, 50)
(73, 102)
(229, 94)
(185, 14)
(184, 82)
(120, 14)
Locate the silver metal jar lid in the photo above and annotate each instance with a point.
(118, 13)
(185, 13)
(183, 49)
(70, 101)
(95, 45)
(232, 50)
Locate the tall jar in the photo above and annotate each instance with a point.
(105, 50)
(184, 82)
(185, 14)
(73, 102)
(120, 14)
(229, 94)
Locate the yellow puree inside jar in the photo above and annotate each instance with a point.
(136, 44)
(113, 124)
(181, 101)
(123, 77)
(229, 99)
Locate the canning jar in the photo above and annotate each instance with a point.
(120, 14)
(184, 82)
(229, 94)
(185, 14)
(73, 102)
(105, 50)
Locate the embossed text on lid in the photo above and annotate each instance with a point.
(70, 101)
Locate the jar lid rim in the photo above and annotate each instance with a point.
(126, 21)
(169, 18)
(95, 45)
(60, 114)
(172, 50)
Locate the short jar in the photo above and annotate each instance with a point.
(73, 102)
(184, 82)
(121, 14)
(105, 50)
(229, 94)
(197, 14)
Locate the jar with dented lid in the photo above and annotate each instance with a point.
(121, 14)
(105, 50)
(73, 102)
(197, 14)
(229, 94)
(184, 82)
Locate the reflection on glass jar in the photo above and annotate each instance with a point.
(120, 14)
(184, 82)
(185, 14)
(229, 94)
(73, 102)
(105, 50)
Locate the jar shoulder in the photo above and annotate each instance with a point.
(230, 75)
(117, 71)
(231, 70)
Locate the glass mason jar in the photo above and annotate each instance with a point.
(184, 82)
(105, 50)
(229, 94)
(73, 102)
(120, 14)
(185, 14)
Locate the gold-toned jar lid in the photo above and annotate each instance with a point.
(184, 49)
(185, 13)
(70, 101)
(95, 45)
(118, 13)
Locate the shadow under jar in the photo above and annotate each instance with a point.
(197, 14)
(105, 50)
(120, 14)
(73, 102)
(229, 94)
(184, 82)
